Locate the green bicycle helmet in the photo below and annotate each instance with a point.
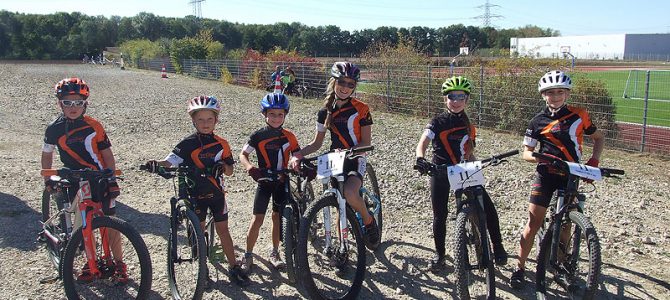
(456, 83)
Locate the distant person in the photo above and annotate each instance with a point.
(289, 79)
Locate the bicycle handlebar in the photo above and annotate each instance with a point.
(501, 156)
(495, 159)
(85, 173)
(559, 163)
(350, 153)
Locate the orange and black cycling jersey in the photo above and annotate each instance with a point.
(347, 120)
(79, 142)
(452, 137)
(274, 147)
(202, 151)
(560, 134)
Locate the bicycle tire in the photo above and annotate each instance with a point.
(52, 203)
(468, 243)
(193, 231)
(289, 228)
(303, 254)
(99, 288)
(589, 241)
(377, 212)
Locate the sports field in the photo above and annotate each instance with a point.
(631, 109)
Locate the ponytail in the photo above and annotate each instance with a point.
(329, 102)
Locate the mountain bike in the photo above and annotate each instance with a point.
(569, 247)
(473, 257)
(188, 246)
(333, 267)
(88, 266)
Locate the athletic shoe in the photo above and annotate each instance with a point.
(275, 259)
(516, 281)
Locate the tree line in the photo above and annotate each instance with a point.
(71, 35)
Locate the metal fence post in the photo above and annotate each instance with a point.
(388, 85)
(646, 108)
(429, 84)
(481, 95)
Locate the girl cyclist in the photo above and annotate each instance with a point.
(349, 122)
(559, 130)
(453, 140)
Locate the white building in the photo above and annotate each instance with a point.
(609, 46)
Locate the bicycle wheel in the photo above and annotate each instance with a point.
(373, 201)
(187, 261)
(474, 278)
(289, 229)
(325, 271)
(135, 256)
(52, 203)
(579, 264)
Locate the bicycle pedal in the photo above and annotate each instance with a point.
(566, 284)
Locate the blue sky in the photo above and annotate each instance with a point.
(570, 17)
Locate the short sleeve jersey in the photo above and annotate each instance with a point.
(452, 138)
(347, 120)
(274, 147)
(79, 142)
(560, 134)
(202, 151)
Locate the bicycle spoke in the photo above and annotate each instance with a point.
(78, 280)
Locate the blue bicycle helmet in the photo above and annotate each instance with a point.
(275, 100)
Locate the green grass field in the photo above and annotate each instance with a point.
(631, 109)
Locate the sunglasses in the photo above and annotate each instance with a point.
(71, 103)
(457, 97)
(346, 84)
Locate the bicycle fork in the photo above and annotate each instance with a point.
(342, 221)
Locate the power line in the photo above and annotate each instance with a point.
(487, 16)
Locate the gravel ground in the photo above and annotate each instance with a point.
(145, 117)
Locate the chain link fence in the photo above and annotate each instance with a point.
(631, 106)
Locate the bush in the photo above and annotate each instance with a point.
(257, 79)
(226, 76)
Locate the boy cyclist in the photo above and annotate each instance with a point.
(453, 140)
(559, 131)
(205, 150)
(83, 143)
(274, 146)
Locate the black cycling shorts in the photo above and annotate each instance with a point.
(546, 182)
(217, 205)
(263, 193)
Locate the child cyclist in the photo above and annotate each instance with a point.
(453, 140)
(274, 146)
(83, 143)
(350, 125)
(205, 150)
(559, 130)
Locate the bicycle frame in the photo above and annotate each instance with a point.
(342, 206)
(86, 211)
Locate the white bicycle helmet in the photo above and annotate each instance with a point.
(204, 102)
(554, 80)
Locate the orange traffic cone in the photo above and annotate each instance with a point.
(278, 88)
(163, 73)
